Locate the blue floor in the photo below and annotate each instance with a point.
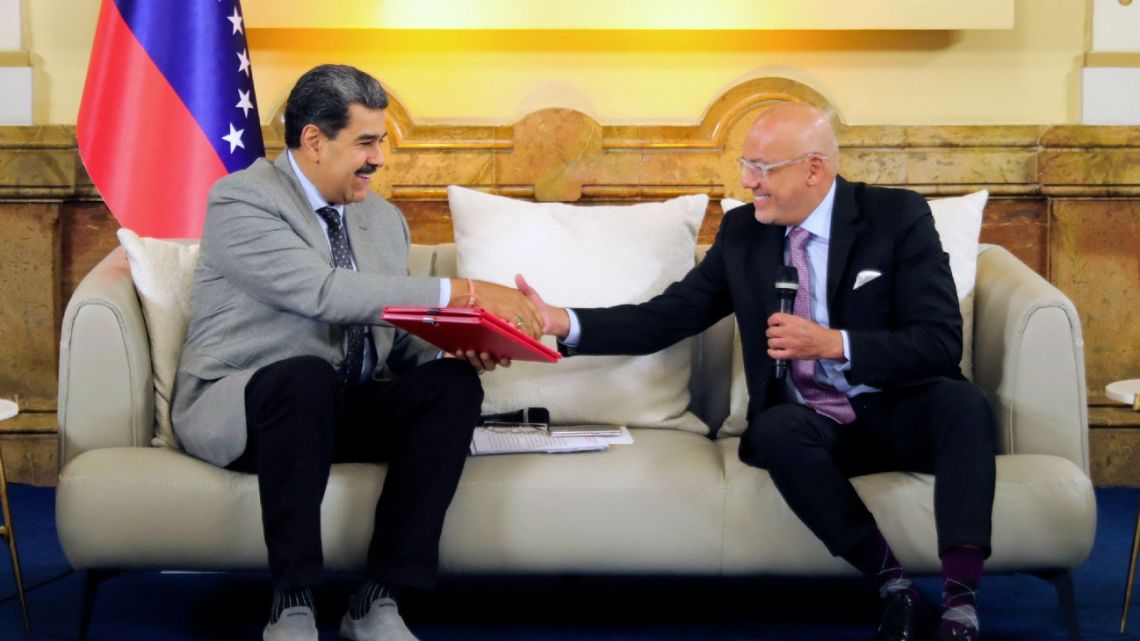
(166, 607)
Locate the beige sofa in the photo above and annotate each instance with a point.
(673, 503)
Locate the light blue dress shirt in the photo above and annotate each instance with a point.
(818, 224)
(316, 201)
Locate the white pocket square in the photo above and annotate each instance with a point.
(866, 276)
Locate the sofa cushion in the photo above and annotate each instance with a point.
(162, 271)
(959, 224)
(595, 512)
(1044, 518)
(585, 257)
(671, 503)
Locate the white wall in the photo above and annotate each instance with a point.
(1110, 85)
(15, 95)
(10, 26)
(1116, 27)
(15, 82)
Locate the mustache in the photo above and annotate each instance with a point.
(368, 169)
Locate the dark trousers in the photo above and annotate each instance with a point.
(944, 428)
(300, 422)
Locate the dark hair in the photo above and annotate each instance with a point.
(322, 96)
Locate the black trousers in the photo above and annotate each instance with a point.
(300, 422)
(944, 428)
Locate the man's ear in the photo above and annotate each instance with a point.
(817, 170)
(312, 141)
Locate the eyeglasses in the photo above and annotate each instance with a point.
(760, 169)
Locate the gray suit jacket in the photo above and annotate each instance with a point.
(265, 290)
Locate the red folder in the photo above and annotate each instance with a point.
(456, 329)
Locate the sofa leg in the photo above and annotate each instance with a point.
(91, 581)
(1062, 580)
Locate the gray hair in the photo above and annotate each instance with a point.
(321, 97)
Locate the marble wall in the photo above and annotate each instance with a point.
(1065, 199)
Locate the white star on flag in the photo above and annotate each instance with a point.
(243, 102)
(234, 138)
(244, 58)
(236, 20)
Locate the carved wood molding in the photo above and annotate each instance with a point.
(565, 155)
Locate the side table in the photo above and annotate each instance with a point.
(1128, 392)
(8, 409)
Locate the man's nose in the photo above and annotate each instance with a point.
(376, 154)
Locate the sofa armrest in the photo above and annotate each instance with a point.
(1029, 359)
(106, 387)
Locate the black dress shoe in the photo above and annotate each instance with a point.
(905, 618)
(958, 633)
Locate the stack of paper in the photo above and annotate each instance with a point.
(487, 441)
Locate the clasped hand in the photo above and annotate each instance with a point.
(793, 338)
(513, 307)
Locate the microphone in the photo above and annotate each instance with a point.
(787, 284)
(525, 415)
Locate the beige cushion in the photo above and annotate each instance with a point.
(585, 257)
(656, 506)
(959, 224)
(162, 271)
(1044, 517)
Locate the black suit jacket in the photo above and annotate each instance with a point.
(904, 327)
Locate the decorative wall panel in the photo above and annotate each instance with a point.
(1064, 199)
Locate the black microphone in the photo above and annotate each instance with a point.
(525, 415)
(787, 284)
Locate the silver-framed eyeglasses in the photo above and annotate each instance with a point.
(761, 169)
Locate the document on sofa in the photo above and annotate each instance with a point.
(494, 441)
(464, 328)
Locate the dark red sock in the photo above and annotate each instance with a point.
(873, 557)
(961, 573)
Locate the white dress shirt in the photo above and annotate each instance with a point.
(827, 371)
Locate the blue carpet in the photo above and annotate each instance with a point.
(153, 606)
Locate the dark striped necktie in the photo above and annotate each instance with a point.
(354, 334)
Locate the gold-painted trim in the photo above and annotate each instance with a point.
(1125, 59)
(565, 155)
(629, 15)
(8, 536)
(15, 59)
(708, 134)
(1131, 572)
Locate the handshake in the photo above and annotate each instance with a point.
(522, 307)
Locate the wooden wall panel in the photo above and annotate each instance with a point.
(29, 289)
(1021, 226)
(30, 458)
(1095, 261)
(1064, 199)
(88, 234)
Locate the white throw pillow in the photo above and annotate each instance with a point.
(578, 256)
(162, 271)
(958, 221)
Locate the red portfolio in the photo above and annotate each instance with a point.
(456, 329)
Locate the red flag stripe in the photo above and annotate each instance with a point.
(141, 146)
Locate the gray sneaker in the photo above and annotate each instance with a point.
(381, 623)
(295, 624)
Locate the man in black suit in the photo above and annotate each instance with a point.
(873, 348)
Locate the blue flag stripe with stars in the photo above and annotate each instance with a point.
(193, 44)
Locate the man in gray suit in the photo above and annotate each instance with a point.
(287, 367)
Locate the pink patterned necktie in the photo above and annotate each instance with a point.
(824, 399)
